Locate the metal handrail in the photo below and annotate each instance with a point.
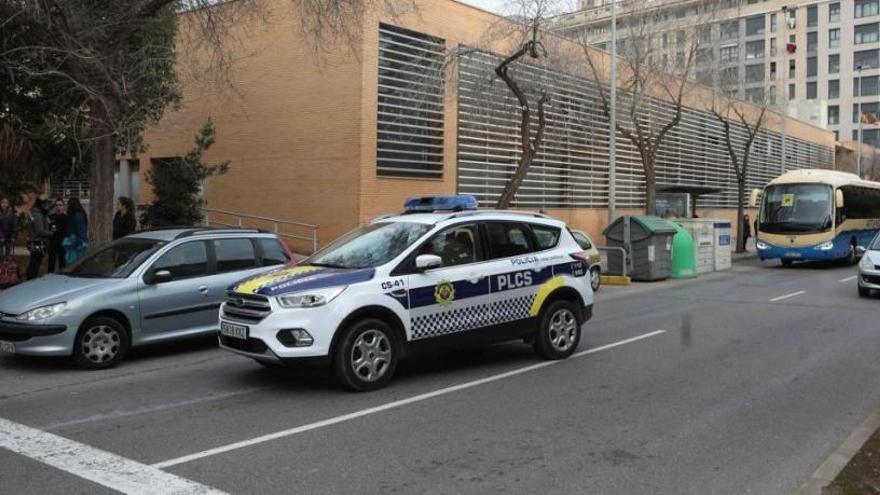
(240, 218)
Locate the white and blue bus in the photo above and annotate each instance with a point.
(817, 215)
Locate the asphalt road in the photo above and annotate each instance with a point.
(737, 382)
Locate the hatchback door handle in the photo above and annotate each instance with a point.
(203, 289)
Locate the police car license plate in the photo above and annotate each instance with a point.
(234, 331)
(7, 347)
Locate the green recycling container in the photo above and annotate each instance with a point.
(684, 256)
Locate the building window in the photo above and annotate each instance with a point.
(872, 108)
(755, 49)
(871, 137)
(833, 38)
(755, 25)
(791, 93)
(772, 95)
(754, 73)
(772, 47)
(870, 86)
(812, 42)
(730, 77)
(812, 92)
(772, 71)
(772, 23)
(867, 59)
(812, 16)
(729, 53)
(833, 64)
(833, 89)
(834, 12)
(867, 8)
(833, 115)
(812, 67)
(791, 69)
(867, 33)
(409, 141)
(730, 30)
(755, 95)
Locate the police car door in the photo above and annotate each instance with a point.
(453, 297)
(515, 272)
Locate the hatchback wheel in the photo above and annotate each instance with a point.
(595, 278)
(367, 355)
(100, 343)
(560, 331)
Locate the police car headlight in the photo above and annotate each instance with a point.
(41, 313)
(866, 263)
(311, 298)
(762, 245)
(826, 246)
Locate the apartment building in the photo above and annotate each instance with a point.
(820, 60)
(414, 108)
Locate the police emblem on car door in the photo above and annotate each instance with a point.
(453, 297)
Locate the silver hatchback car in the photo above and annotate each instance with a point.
(869, 267)
(148, 287)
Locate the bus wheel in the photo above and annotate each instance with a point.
(851, 256)
(786, 263)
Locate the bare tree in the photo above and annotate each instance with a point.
(741, 124)
(116, 60)
(657, 59)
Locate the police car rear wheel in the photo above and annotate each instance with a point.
(560, 331)
(595, 278)
(366, 356)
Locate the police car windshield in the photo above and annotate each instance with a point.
(369, 246)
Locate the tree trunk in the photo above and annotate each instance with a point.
(650, 188)
(740, 213)
(102, 174)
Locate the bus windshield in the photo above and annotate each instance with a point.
(797, 209)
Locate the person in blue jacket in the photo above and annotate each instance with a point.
(77, 230)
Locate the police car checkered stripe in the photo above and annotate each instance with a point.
(516, 308)
(471, 317)
(451, 321)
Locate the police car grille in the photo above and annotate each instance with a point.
(245, 307)
(871, 279)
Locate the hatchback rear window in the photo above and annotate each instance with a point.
(273, 252)
(234, 255)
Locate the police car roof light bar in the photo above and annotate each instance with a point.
(427, 204)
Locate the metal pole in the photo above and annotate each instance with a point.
(784, 88)
(859, 161)
(612, 121)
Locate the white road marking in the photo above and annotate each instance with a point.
(96, 465)
(390, 405)
(848, 279)
(787, 296)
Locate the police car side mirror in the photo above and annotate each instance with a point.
(861, 250)
(428, 261)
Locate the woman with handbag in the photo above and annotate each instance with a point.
(38, 239)
(76, 244)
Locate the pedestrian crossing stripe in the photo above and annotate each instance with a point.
(255, 284)
(544, 291)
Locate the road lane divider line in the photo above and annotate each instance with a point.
(848, 279)
(788, 296)
(392, 405)
(93, 464)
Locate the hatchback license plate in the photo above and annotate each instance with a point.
(234, 331)
(7, 347)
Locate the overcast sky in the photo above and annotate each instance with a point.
(493, 5)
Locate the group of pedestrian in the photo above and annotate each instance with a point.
(57, 230)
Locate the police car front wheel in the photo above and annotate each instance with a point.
(560, 331)
(367, 355)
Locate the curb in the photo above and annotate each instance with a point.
(832, 466)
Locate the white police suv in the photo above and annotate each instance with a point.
(440, 273)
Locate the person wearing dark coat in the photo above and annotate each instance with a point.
(8, 227)
(124, 222)
(38, 239)
(58, 221)
(746, 229)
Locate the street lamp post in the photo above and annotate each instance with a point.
(859, 116)
(612, 121)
